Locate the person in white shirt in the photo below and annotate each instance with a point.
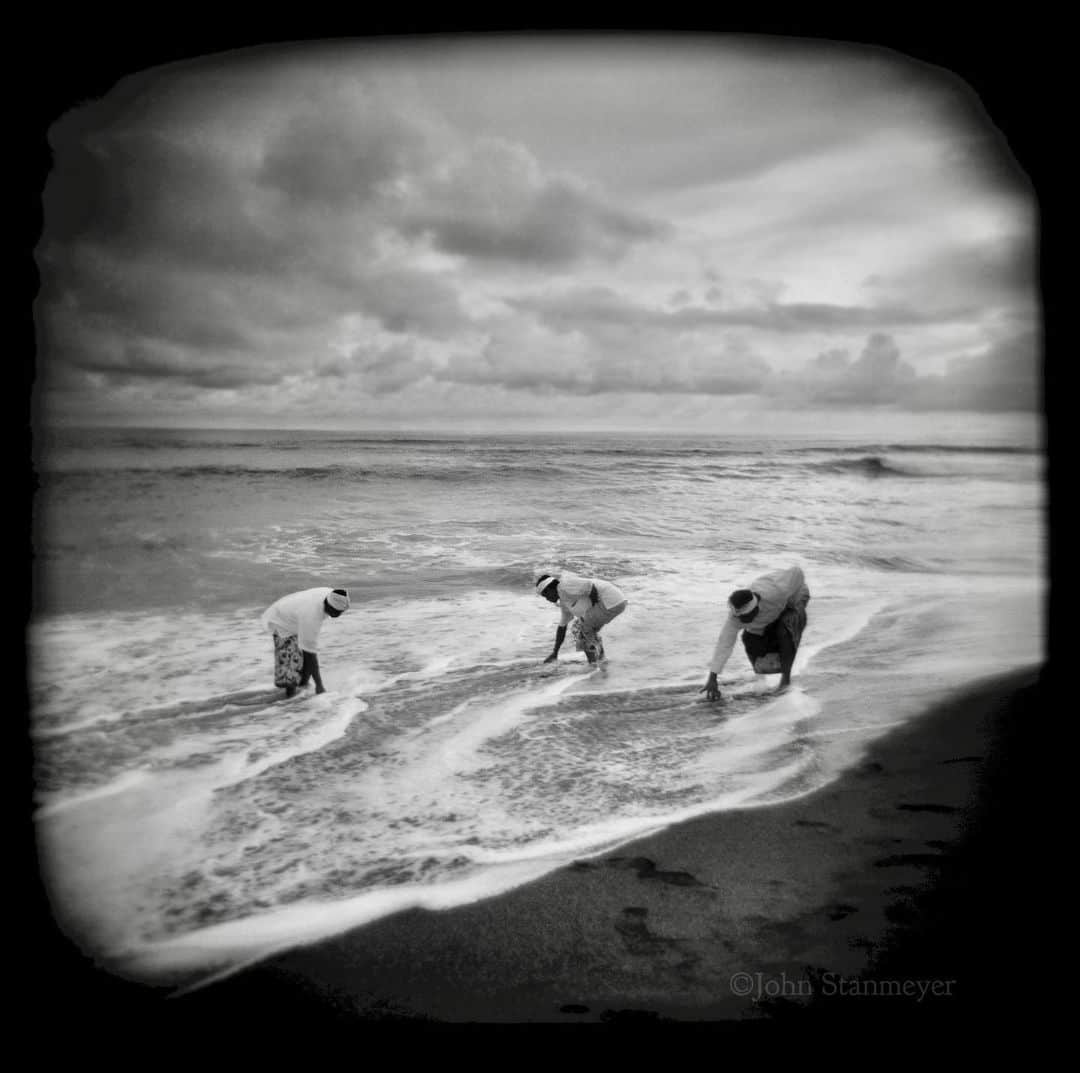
(772, 616)
(295, 621)
(590, 603)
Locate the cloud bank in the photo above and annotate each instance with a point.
(495, 228)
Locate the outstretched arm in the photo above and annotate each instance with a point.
(560, 636)
(724, 644)
(787, 658)
(310, 669)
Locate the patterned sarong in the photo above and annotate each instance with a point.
(585, 631)
(587, 639)
(288, 661)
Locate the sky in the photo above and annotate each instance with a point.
(714, 233)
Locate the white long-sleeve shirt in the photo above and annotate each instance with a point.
(776, 591)
(300, 615)
(574, 600)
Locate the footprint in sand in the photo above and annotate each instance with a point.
(840, 910)
(945, 810)
(647, 869)
(903, 891)
(631, 1016)
(635, 932)
(910, 860)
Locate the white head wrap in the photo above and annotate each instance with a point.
(337, 601)
(543, 583)
(746, 608)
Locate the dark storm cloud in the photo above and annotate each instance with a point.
(1004, 377)
(407, 300)
(343, 148)
(166, 233)
(371, 222)
(496, 204)
(586, 308)
(877, 376)
(139, 192)
(131, 362)
(510, 368)
(622, 376)
(99, 290)
(382, 371)
(159, 239)
(998, 273)
(617, 358)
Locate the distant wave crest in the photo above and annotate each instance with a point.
(867, 466)
(919, 448)
(479, 471)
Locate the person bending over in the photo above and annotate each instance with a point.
(771, 614)
(295, 621)
(589, 603)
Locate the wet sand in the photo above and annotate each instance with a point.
(890, 894)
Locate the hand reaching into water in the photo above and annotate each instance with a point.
(711, 689)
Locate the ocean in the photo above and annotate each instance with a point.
(191, 819)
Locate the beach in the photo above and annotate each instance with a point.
(425, 327)
(883, 895)
(456, 831)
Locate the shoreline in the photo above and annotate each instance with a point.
(891, 873)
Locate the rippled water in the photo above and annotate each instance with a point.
(190, 816)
